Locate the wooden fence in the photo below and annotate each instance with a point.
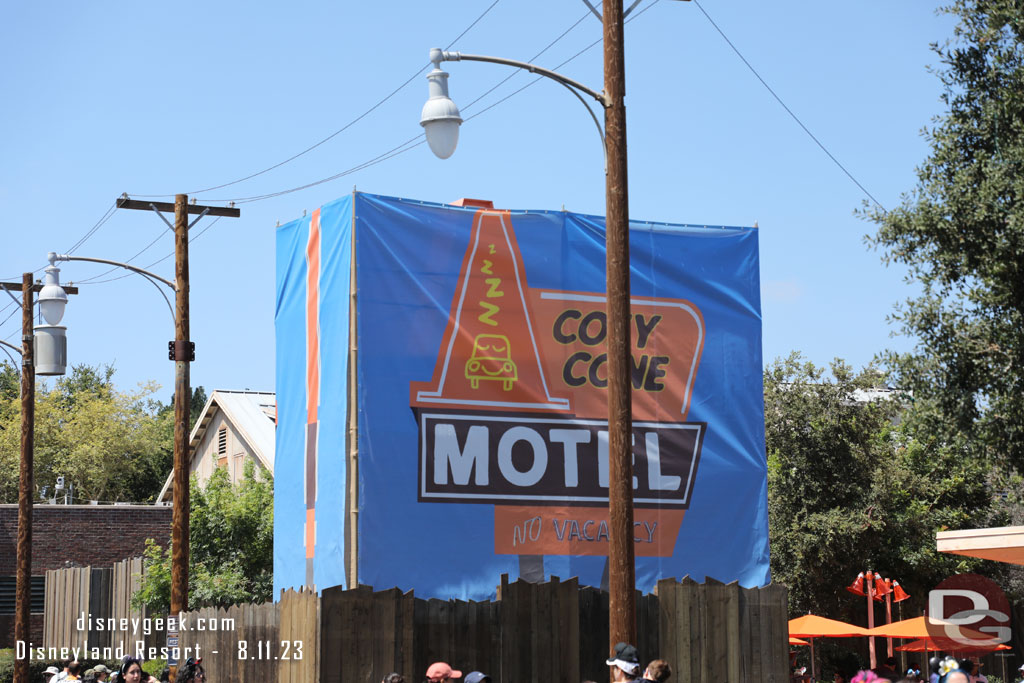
(552, 631)
(555, 631)
(81, 595)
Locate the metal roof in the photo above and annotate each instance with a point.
(252, 414)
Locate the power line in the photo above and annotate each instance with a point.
(540, 78)
(92, 231)
(419, 139)
(788, 110)
(137, 255)
(92, 281)
(340, 130)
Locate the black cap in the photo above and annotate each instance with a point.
(625, 652)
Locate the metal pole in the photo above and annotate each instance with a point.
(182, 401)
(869, 584)
(888, 615)
(621, 567)
(23, 585)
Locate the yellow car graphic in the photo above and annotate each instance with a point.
(491, 360)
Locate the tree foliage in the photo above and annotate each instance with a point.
(853, 485)
(960, 233)
(231, 545)
(110, 444)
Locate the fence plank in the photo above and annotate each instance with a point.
(552, 631)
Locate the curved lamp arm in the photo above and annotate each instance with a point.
(151, 277)
(575, 87)
(437, 56)
(11, 346)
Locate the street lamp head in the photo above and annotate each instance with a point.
(440, 117)
(52, 297)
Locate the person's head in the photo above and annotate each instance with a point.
(838, 678)
(477, 677)
(192, 671)
(66, 662)
(658, 670)
(890, 662)
(438, 672)
(393, 678)
(75, 668)
(131, 670)
(957, 676)
(50, 672)
(625, 662)
(102, 672)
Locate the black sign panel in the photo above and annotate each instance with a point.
(504, 458)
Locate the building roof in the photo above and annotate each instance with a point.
(253, 415)
(1002, 544)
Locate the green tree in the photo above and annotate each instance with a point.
(108, 443)
(960, 233)
(231, 545)
(196, 405)
(852, 485)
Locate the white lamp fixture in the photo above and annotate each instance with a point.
(440, 117)
(51, 344)
(52, 297)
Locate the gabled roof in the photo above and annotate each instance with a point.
(252, 414)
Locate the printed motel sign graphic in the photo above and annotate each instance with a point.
(515, 414)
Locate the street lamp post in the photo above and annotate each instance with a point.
(441, 119)
(52, 300)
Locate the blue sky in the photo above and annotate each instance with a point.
(111, 97)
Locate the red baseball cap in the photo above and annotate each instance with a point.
(439, 671)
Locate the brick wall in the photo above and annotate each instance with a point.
(77, 536)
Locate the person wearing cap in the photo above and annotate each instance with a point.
(438, 672)
(102, 672)
(477, 677)
(89, 676)
(393, 677)
(625, 663)
(50, 672)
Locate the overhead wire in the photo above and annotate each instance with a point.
(340, 130)
(540, 78)
(786, 107)
(419, 139)
(92, 231)
(91, 281)
(139, 253)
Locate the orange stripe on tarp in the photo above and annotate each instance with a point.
(310, 531)
(313, 319)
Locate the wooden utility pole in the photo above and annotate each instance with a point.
(26, 487)
(26, 478)
(182, 352)
(182, 402)
(621, 565)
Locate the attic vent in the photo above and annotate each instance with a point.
(222, 441)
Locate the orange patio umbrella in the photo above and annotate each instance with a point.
(918, 628)
(797, 641)
(812, 626)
